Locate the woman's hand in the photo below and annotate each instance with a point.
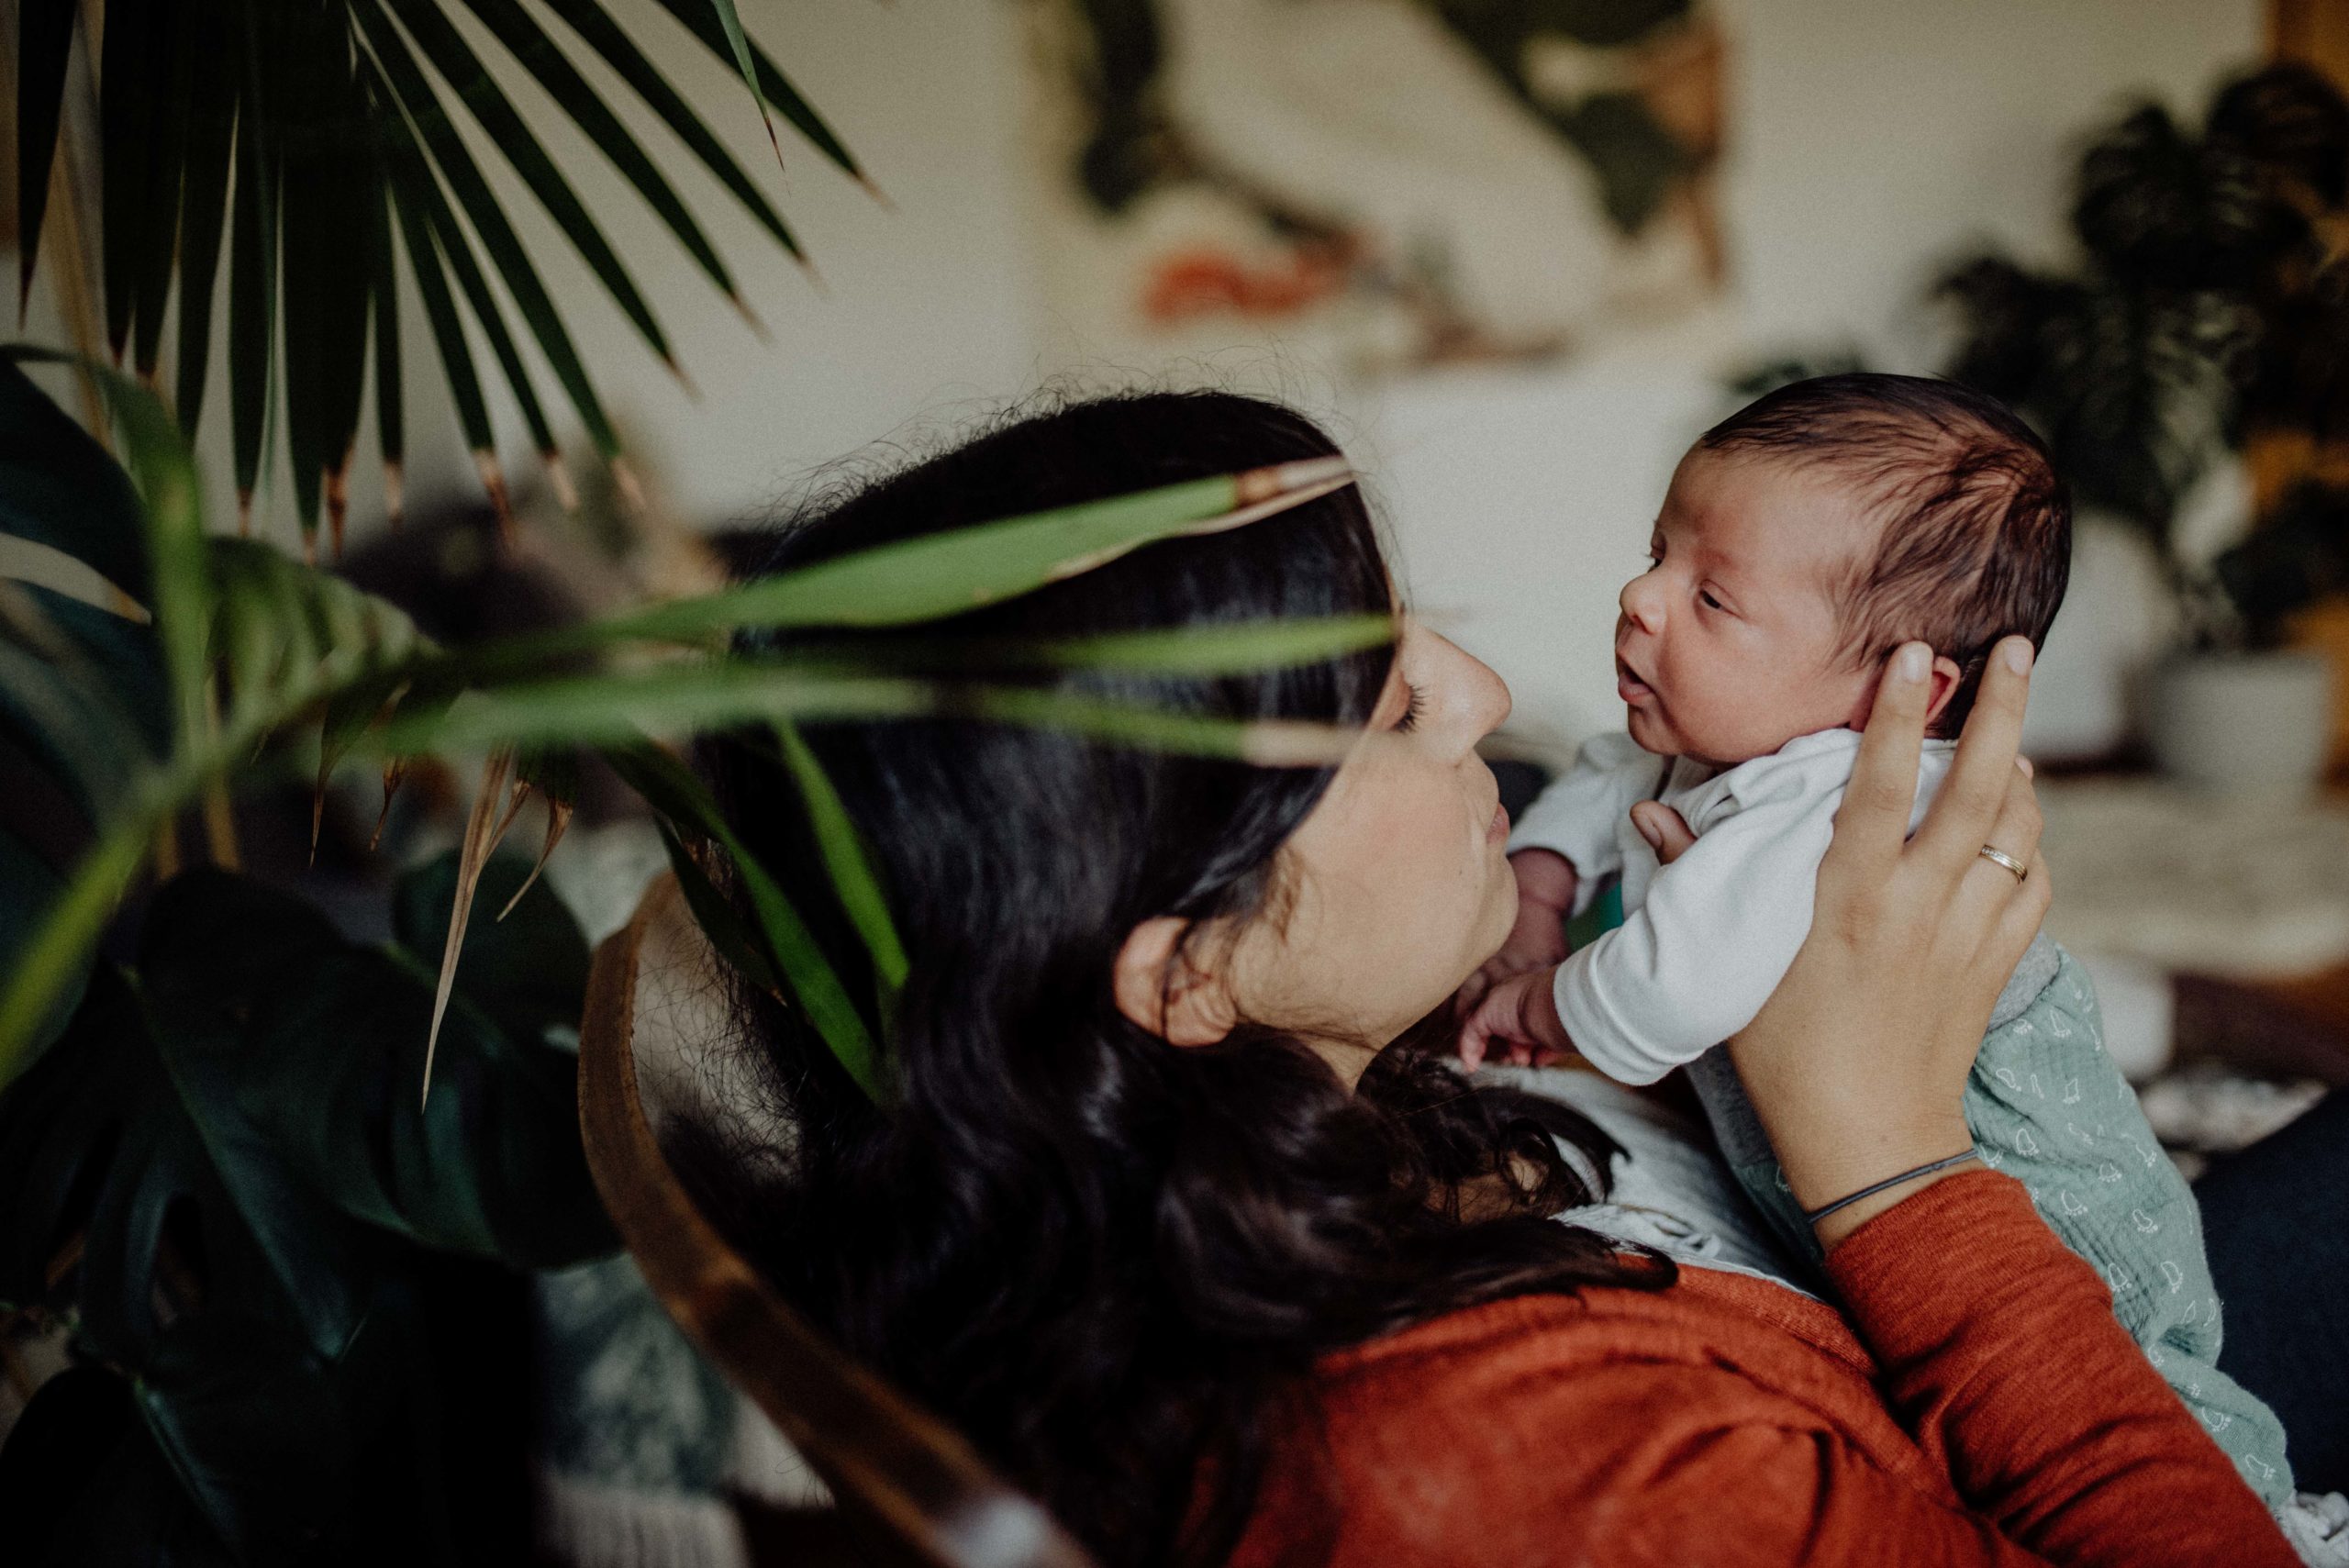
(1857, 1063)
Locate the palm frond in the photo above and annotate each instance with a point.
(251, 644)
(289, 126)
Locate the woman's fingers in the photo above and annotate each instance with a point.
(1873, 822)
(1989, 892)
(1970, 801)
(2028, 911)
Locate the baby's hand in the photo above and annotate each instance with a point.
(1545, 891)
(1520, 1017)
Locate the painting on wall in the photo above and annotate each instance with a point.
(1385, 184)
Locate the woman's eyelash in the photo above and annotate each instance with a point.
(1413, 711)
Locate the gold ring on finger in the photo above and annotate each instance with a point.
(2002, 858)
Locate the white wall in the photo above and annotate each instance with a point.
(1871, 140)
(923, 306)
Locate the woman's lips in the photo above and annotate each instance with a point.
(1496, 832)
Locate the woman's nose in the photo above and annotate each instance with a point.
(1473, 700)
(1488, 699)
(1642, 601)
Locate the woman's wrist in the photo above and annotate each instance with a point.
(1832, 1222)
(1831, 1157)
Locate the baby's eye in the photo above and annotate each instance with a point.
(1710, 602)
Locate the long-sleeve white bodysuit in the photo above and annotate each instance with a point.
(1702, 947)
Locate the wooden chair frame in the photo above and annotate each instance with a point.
(885, 1460)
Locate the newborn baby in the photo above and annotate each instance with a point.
(1802, 541)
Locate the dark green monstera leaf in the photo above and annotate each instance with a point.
(217, 1173)
(323, 1057)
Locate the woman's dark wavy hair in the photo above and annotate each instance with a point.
(1110, 1262)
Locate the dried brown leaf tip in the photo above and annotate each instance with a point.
(493, 479)
(394, 772)
(558, 824)
(494, 807)
(338, 489)
(1263, 484)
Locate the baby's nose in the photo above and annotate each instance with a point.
(1643, 603)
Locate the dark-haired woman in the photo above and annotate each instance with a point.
(1168, 1210)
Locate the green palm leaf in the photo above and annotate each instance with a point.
(253, 274)
(716, 23)
(528, 43)
(169, 133)
(425, 264)
(462, 68)
(942, 574)
(606, 36)
(384, 306)
(44, 46)
(403, 84)
(845, 860)
(132, 81)
(285, 644)
(239, 116)
(203, 197)
(672, 791)
(415, 189)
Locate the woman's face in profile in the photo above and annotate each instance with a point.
(1399, 883)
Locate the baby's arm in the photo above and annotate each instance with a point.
(1561, 849)
(1687, 969)
(1576, 818)
(1547, 884)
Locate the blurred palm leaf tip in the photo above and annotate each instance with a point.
(320, 142)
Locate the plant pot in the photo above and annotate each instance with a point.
(2243, 724)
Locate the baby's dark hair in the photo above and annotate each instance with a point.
(1976, 528)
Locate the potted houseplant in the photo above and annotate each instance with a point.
(2195, 359)
(246, 1163)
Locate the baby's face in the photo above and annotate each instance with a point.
(1728, 646)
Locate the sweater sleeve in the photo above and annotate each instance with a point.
(2004, 1360)
(1693, 963)
(2010, 1423)
(1577, 815)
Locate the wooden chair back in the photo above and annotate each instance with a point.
(906, 1472)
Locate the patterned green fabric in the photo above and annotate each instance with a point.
(626, 1403)
(2048, 1108)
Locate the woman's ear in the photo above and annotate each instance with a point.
(1159, 989)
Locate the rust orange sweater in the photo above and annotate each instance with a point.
(1989, 1409)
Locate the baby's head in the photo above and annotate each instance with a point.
(1815, 531)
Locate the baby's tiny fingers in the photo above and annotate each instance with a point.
(1472, 991)
(1664, 830)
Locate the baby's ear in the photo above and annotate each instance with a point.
(1945, 678)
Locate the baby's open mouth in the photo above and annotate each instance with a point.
(1628, 685)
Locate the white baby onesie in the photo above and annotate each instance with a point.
(1705, 940)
